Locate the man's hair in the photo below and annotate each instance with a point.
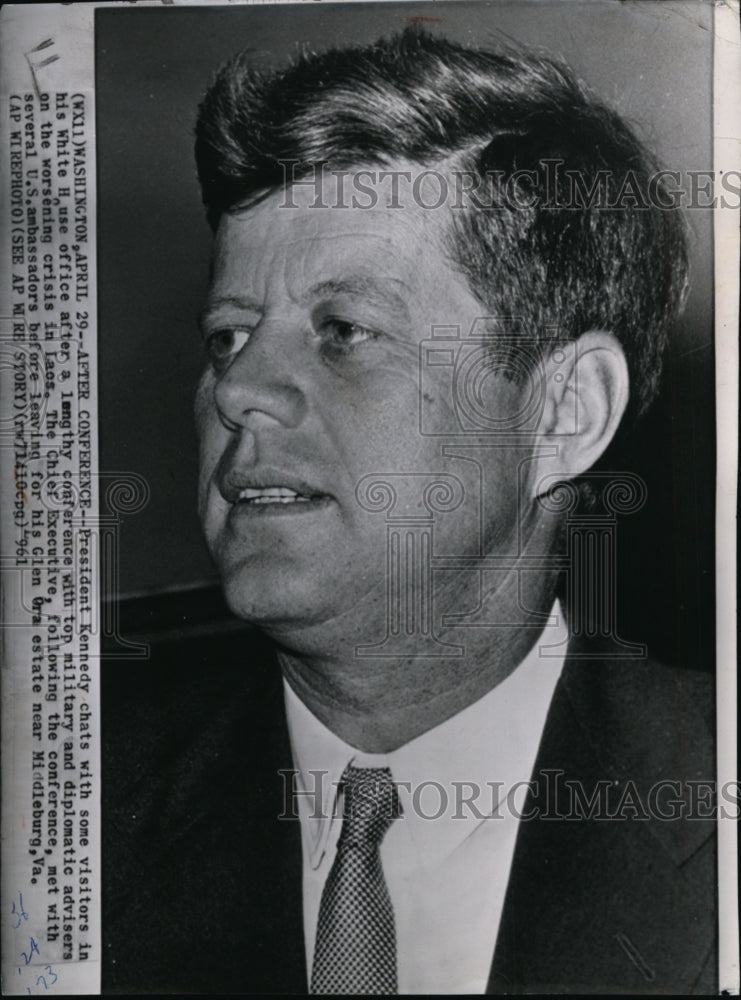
(560, 265)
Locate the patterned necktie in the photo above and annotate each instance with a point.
(355, 948)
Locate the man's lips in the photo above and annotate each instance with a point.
(268, 487)
(271, 494)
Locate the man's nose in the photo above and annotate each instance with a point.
(261, 382)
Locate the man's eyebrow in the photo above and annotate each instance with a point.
(381, 291)
(228, 302)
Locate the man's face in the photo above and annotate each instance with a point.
(313, 328)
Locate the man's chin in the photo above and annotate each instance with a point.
(285, 605)
(276, 603)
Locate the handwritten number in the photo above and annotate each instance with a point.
(18, 912)
(34, 949)
(51, 977)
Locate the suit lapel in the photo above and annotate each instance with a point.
(597, 905)
(233, 880)
(278, 963)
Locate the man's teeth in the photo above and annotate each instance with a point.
(272, 494)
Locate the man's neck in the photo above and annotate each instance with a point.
(379, 703)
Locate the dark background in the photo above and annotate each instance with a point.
(651, 61)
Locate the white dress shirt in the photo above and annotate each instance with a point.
(447, 859)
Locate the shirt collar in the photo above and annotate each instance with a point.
(452, 777)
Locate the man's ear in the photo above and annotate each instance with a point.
(586, 392)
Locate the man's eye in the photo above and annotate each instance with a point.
(342, 333)
(222, 346)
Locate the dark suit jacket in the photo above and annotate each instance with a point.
(202, 882)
